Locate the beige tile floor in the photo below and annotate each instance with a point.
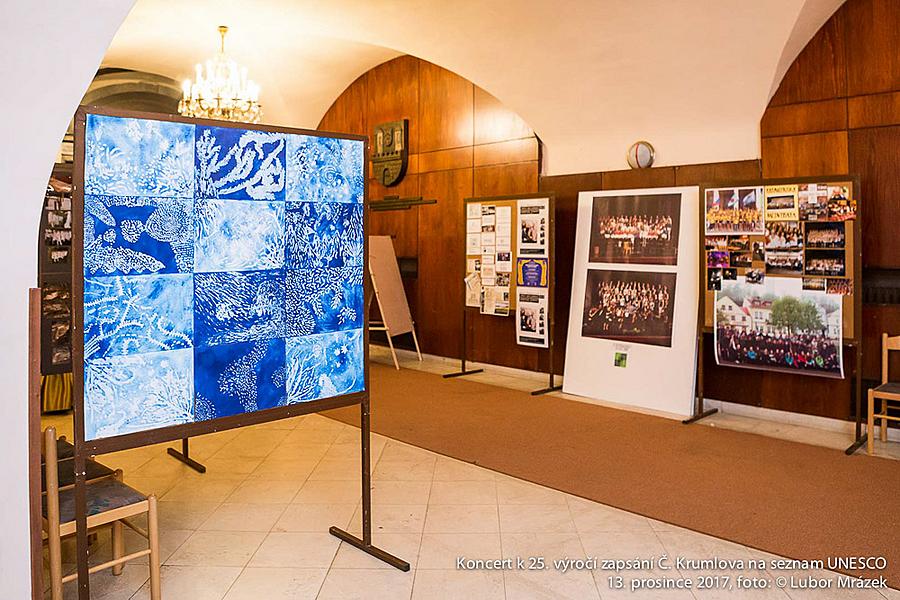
(255, 526)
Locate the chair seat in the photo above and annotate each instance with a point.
(93, 470)
(103, 496)
(64, 450)
(888, 388)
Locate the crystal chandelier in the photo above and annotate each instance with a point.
(221, 90)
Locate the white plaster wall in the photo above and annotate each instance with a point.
(50, 50)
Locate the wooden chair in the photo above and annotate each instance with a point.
(109, 502)
(887, 392)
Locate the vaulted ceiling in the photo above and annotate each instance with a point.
(590, 76)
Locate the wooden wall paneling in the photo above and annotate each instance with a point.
(510, 151)
(443, 160)
(496, 123)
(446, 109)
(801, 155)
(393, 94)
(739, 170)
(498, 180)
(874, 155)
(874, 111)
(441, 261)
(808, 117)
(878, 319)
(820, 70)
(349, 112)
(872, 33)
(401, 225)
(566, 188)
(639, 178)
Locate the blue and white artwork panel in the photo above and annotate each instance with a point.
(231, 235)
(138, 157)
(325, 365)
(134, 235)
(326, 234)
(239, 164)
(138, 392)
(137, 314)
(322, 169)
(323, 300)
(238, 378)
(238, 307)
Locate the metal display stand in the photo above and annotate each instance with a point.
(854, 342)
(551, 287)
(87, 448)
(185, 456)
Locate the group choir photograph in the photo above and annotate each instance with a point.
(635, 229)
(631, 306)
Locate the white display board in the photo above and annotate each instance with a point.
(633, 314)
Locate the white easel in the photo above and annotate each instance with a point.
(389, 292)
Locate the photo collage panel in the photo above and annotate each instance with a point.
(223, 272)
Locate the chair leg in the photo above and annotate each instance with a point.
(54, 545)
(870, 424)
(884, 422)
(118, 545)
(153, 534)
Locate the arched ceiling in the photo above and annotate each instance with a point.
(590, 76)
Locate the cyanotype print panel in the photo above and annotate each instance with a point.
(239, 164)
(234, 235)
(135, 235)
(238, 307)
(325, 365)
(138, 157)
(324, 235)
(323, 300)
(127, 394)
(238, 378)
(325, 170)
(138, 314)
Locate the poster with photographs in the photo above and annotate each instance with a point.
(532, 315)
(635, 229)
(782, 203)
(779, 326)
(734, 211)
(533, 225)
(631, 306)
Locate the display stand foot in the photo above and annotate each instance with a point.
(697, 417)
(859, 443)
(461, 373)
(546, 390)
(378, 553)
(184, 456)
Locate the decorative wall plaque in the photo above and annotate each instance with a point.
(390, 151)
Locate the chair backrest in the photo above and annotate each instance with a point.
(888, 343)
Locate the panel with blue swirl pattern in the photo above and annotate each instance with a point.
(223, 271)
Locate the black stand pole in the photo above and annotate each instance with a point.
(462, 370)
(185, 456)
(861, 439)
(365, 544)
(81, 532)
(551, 387)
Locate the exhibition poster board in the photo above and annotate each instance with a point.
(778, 270)
(219, 276)
(634, 299)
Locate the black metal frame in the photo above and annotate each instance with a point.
(86, 448)
(854, 342)
(551, 285)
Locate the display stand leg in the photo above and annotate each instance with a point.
(81, 533)
(701, 415)
(416, 342)
(365, 544)
(551, 387)
(393, 352)
(861, 438)
(185, 456)
(462, 369)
